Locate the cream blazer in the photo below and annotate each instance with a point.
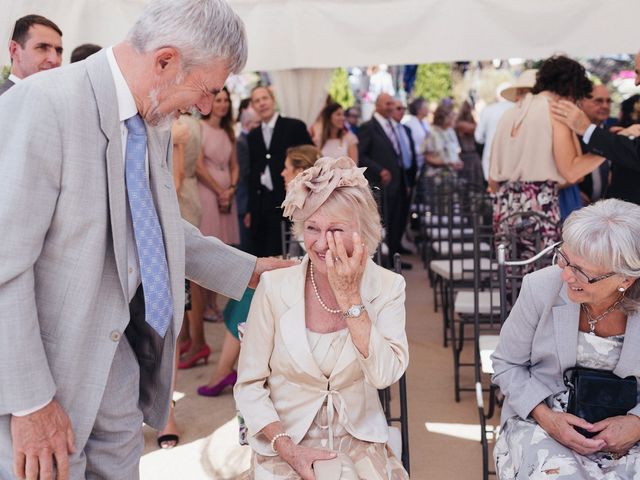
(278, 379)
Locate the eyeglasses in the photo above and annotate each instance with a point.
(561, 260)
(601, 101)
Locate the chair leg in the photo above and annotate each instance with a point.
(446, 321)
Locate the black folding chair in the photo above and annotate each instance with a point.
(385, 399)
(510, 275)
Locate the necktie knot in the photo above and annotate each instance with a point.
(135, 125)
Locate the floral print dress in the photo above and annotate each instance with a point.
(525, 451)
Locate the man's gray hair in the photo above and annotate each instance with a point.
(607, 234)
(201, 30)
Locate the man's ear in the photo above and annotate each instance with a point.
(13, 47)
(166, 61)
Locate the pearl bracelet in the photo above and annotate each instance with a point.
(276, 437)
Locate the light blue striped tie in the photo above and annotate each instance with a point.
(158, 303)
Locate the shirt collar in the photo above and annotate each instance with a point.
(126, 104)
(272, 123)
(13, 78)
(381, 120)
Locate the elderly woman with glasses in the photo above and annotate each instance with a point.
(582, 312)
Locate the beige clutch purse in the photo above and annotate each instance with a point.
(328, 469)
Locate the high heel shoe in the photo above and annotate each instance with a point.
(202, 354)
(217, 389)
(183, 347)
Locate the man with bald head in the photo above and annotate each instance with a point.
(35, 45)
(379, 149)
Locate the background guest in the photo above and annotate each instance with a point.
(352, 119)
(597, 107)
(419, 126)
(334, 140)
(267, 146)
(83, 51)
(442, 148)
(35, 45)
(217, 180)
(465, 127)
(248, 121)
(533, 155)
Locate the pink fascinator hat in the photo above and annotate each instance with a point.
(311, 188)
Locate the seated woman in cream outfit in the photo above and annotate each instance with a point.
(322, 337)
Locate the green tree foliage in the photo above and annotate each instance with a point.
(340, 90)
(433, 81)
(4, 73)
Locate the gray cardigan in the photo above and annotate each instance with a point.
(538, 342)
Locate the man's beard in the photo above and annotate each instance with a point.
(162, 121)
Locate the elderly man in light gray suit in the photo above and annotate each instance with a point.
(94, 252)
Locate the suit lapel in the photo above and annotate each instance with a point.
(292, 324)
(105, 95)
(566, 320)
(383, 134)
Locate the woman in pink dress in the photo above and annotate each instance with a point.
(217, 174)
(333, 139)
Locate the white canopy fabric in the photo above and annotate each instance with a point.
(288, 34)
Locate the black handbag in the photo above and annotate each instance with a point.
(598, 394)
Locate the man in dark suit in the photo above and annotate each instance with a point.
(597, 107)
(380, 151)
(248, 121)
(409, 164)
(268, 145)
(622, 149)
(36, 45)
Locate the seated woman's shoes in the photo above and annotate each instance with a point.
(168, 441)
(190, 361)
(217, 389)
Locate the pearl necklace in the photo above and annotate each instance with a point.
(315, 290)
(593, 321)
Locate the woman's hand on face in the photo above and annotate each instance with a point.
(301, 459)
(344, 271)
(560, 426)
(620, 433)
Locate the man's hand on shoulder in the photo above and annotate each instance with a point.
(268, 263)
(568, 113)
(41, 439)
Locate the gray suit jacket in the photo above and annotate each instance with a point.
(63, 264)
(539, 341)
(6, 85)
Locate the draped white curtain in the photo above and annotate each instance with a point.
(301, 92)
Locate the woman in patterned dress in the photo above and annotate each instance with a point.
(322, 337)
(583, 314)
(533, 155)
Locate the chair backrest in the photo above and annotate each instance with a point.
(511, 273)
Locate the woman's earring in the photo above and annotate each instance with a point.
(621, 289)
